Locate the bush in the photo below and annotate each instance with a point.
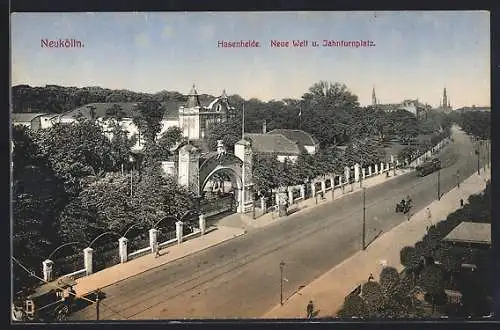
(372, 294)
(389, 279)
(354, 306)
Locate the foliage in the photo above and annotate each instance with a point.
(354, 306)
(404, 125)
(431, 280)
(37, 196)
(229, 132)
(371, 292)
(364, 152)
(168, 140)
(389, 279)
(476, 123)
(76, 151)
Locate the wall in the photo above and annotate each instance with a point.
(281, 158)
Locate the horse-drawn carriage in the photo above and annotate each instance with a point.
(404, 206)
(49, 302)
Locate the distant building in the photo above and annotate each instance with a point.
(304, 140)
(412, 106)
(33, 121)
(284, 144)
(473, 108)
(193, 117)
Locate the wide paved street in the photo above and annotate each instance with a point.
(241, 278)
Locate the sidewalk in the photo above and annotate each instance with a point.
(142, 264)
(300, 207)
(329, 290)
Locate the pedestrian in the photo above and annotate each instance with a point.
(429, 216)
(370, 278)
(310, 309)
(157, 251)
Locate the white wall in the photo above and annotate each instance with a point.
(311, 149)
(282, 158)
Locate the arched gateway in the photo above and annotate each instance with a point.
(196, 170)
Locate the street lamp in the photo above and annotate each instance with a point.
(364, 218)
(282, 266)
(439, 184)
(458, 179)
(477, 153)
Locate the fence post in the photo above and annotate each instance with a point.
(178, 231)
(356, 172)
(153, 239)
(313, 189)
(363, 173)
(47, 270)
(303, 192)
(202, 223)
(323, 187)
(376, 169)
(122, 249)
(290, 196)
(263, 205)
(87, 260)
(370, 170)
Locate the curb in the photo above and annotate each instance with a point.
(170, 261)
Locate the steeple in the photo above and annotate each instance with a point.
(445, 98)
(193, 99)
(374, 98)
(223, 96)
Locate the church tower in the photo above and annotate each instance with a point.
(445, 99)
(374, 98)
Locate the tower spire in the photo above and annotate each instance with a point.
(374, 97)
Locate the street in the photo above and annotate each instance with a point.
(241, 278)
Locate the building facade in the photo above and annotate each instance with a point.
(193, 117)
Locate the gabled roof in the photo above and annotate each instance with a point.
(24, 117)
(298, 136)
(273, 144)
(129, 109)
(470, 232)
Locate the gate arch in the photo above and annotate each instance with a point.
(226, 162)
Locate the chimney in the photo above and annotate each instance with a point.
(264, 127)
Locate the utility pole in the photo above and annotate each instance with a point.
(439, 184)
(364, 217)
(97, 294)
(282, 266)
(477, 153)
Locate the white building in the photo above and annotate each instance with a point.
(191, 116)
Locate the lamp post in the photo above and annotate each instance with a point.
(282, 266)
(364, 218)
(458, 179)
(477, 153)
(439, 184)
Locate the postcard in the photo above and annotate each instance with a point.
(250, 165)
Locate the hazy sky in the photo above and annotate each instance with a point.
(416, 54)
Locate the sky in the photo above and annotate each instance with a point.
(416, 54)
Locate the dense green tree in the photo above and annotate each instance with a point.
(371, 292)
(75, 151)
(168, 140)
(354, 306)
(389, 279)
(432, 281)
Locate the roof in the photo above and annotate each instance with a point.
(171, 109)
(273, 144)
(298, 136)
(473, 109)
(25, 117)
(470, 232)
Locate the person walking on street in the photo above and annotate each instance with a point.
(429, 215)
(370, 278)
(310, 309)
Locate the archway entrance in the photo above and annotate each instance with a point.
(220, 183)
